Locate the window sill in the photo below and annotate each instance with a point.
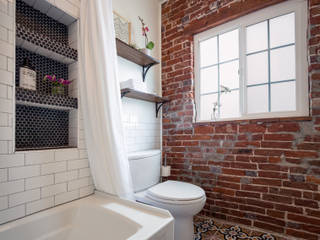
(277, 119)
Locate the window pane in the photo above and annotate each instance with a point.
(229, 104)
(208, 52)
(207, 104)
(257, 68)
(282, 61)
(257, 37)
(229, 45)
(282, 30)
(209, 80)
(257, 99)
(283, 96)
(229, 74)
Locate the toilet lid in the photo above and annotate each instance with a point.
(177, 191)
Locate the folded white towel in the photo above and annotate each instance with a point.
(134, 84)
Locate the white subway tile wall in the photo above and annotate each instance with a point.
(32, 181)
(141, 127)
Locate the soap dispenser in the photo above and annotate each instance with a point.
(28, 76)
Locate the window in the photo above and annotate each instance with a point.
(255, 66)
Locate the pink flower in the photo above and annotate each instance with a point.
(146, 29)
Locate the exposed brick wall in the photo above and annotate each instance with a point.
(263, 173)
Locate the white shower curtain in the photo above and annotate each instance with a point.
(100, 99)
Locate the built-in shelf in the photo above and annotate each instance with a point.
(131, 93)
(35, 99)
(134, 55)
(42, 45)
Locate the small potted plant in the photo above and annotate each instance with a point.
(149, 45)
(58, 84)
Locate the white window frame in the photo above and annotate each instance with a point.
(299, 7)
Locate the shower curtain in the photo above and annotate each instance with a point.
(101, 101)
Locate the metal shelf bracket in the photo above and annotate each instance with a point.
(158, 107)
(145, 69)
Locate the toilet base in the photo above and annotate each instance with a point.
(183, 228)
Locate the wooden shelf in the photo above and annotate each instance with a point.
(130, 53)
(131, 93)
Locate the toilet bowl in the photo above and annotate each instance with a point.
(183, 200)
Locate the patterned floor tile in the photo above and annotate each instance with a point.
(211, 229)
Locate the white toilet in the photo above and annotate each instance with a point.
(183, 200)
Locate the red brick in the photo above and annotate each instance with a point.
(269, 227)
(284, 127)
(288, 208)
(277, 198)
(303, 219)
(306, 203)
(300, 234)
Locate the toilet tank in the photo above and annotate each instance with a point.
(145, 168)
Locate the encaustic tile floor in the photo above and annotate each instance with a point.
(210, 229)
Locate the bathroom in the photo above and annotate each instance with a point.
(189, 126)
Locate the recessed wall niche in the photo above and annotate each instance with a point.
(45, 118)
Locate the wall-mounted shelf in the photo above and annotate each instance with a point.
(130, 53)
(35, 99)
(131, 93)
(42, 45)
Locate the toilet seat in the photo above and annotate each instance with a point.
(174, 192)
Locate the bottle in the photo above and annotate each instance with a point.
(28, 77)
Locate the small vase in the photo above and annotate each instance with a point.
(57, 90)
(146, 51)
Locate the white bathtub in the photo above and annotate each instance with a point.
(95, 217)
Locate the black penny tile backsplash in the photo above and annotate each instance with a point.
(40, 23)
(40, 128)
(42, 66)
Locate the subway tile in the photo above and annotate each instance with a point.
(4, 6)
(3, 175)
(24, 197)
(68, 8)
(53, 190)
(4, 202)
(77, 164)
(41, 181)
(6, 105)
(11, 160)
(84, 172)
(85, 191)
(10, 65)
(66, 197)
(6, 49)
(39, 205)
(3, 62)
(82, 182)
(3, 91)
(3, 34)
(83, 154)
(6, 21)
(39, 157)
(7, 188)
(66, 154)
(6, 133)
(66, 176)
(4, 147)
(6, 77)
(55, 167)
(12, 214)
(24, 172)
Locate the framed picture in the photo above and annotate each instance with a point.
(122, 28)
